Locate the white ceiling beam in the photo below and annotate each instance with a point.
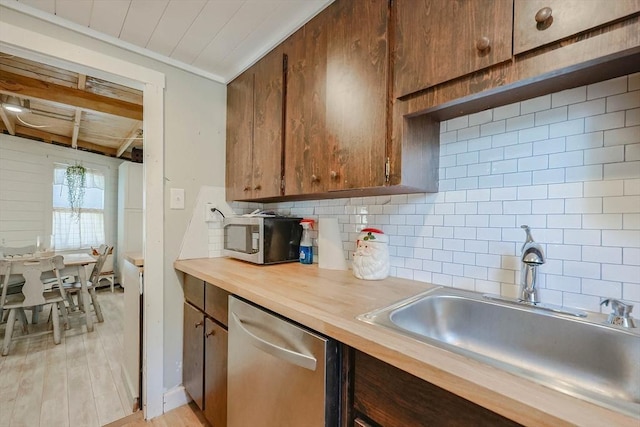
(82, 83)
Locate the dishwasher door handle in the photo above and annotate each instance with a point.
(298, 359)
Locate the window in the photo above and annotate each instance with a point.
(86, 229)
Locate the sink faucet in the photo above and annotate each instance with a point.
(621, 313)
(532, 257)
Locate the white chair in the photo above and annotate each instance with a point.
(92, 283)
(33, 294)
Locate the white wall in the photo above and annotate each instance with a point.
(26, 177)
(194, 146)
(566, 164)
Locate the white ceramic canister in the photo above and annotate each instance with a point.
(371, 259)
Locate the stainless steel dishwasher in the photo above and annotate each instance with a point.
(279, 374)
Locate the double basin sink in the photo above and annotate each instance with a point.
(573, 352)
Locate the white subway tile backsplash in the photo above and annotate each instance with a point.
(535, 104)
(586, 109)
(604, 121)
(569, 96)
(632, 117)
(607, 88)
(570, 127)
(584, 173)
(520, 122)
(584, 141)
(604, 155)
(624, 101)
(628, 135)
(566, 164)
(626, 170)
(506, 111)
(553, 115)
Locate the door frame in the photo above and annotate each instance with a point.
(35, 46)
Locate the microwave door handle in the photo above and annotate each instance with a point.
(298, 359)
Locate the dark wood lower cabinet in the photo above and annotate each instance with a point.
(387, 396)
(193, 353)
(215, 373)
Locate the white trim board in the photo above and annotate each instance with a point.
(31, 44)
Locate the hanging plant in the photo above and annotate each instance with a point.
(76, 180)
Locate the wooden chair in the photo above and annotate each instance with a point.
(8, 251)
(92, 282)
(33, 294)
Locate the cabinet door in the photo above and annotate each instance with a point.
(356, 93)
(564, 18)
(215, 374)
(239, 137)
(267, 127)
(437, 41)
(306, 150)
(193, 353)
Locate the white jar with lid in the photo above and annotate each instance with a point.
(371, 259)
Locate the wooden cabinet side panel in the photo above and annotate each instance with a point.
(436, 40)
(239, 154)
(356, 93)
(193, 353)
(267, 128)
(194, 291)
(215, 374)
(394, 398)
(217, 303)
(306, 154)
(568, 17)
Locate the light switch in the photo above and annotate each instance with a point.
(177, 198)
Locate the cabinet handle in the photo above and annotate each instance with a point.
(483, 43)
(208, 334)
(246, 189)
(200, 323)
(314, 178)
(334, 175)
(543, 15)
(258, 187)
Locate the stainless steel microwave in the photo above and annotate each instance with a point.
(263, 240)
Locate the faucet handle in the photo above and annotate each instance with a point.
(621, 312)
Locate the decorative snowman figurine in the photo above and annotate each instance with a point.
(371, 259)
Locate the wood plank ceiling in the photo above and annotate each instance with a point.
(69, 109)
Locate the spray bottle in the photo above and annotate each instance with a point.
(306, 247)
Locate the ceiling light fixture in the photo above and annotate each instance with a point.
(15, 105)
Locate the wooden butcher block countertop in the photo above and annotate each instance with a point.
(328, 301)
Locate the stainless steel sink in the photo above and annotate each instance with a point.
(581, 356)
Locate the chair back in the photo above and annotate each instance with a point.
(12, 251)
(4, 281)
(32, 271)
(103, 252)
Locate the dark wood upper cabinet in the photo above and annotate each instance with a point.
(239, 137)
(540, 22)
(437, 41)
(254, 130)
(306, 148)
(336, 112)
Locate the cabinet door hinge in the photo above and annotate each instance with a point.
(387, 170)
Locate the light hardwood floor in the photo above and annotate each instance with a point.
(74, 384)
(184, 416)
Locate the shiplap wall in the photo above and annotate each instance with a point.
(26, 176)
(567, 164)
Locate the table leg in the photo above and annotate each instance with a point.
(86, 299)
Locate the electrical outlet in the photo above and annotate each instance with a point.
(210, 213)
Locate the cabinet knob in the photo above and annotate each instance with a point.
(543, 15)
(334, 175)
(246, 189)
(200, 323)
(208, 334)
(258, 187)
(314, 178)
(483, 43)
